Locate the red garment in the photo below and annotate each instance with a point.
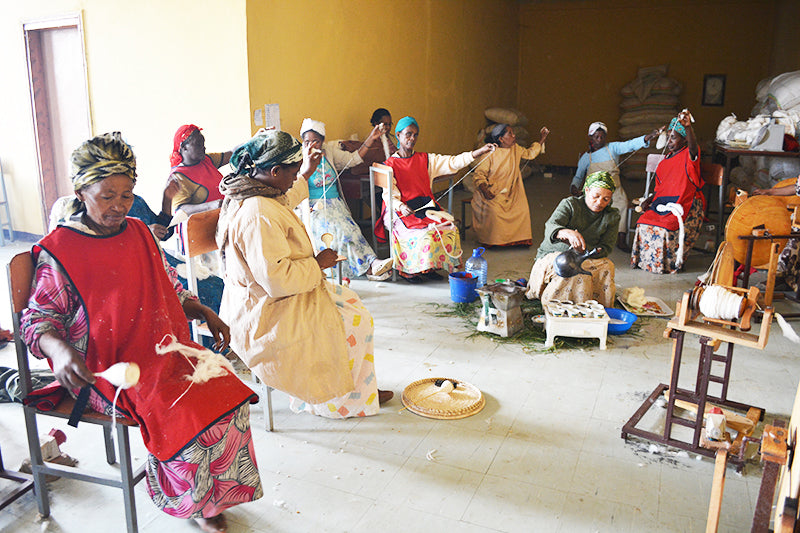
(678, 181)
(204, 174)
(130, 306)
(413, 180)
(181, 135)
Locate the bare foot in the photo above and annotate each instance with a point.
(215, 524)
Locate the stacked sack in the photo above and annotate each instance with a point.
(648, 102)
(777, 102)
(517, 121)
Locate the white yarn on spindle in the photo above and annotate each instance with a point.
(677, 210)
(385, 143)
(718, 302)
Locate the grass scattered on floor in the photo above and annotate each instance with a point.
(532, 336)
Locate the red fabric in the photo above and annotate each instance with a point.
(131, 305)
(204, 174)
(47, 398)
(412, 179)
(181, 135)
(677, 180)
(790, 144)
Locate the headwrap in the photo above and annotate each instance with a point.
(594, 126)
(181, 135)
(497, 132)
(601, 179)
(405, 122)
(312, 125)
(95, 160)
(265, 150)
(679, 128)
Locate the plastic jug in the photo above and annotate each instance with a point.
(477, 266)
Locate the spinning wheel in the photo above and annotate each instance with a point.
(769, 211)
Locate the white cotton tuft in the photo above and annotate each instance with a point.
(788, 332)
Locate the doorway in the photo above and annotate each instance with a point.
(59, 100)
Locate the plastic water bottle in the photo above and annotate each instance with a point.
(477, 266)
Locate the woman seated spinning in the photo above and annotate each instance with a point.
(297, 332)
(329, 212)
(673, 214)
(85, 315)
(425, 238)
(500, 212)
(584, 223)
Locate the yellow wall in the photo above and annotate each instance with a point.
(441, 61)
(576, 56)
(152, 65)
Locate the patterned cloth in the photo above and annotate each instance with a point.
(214, 472)
(788, 263)
(655, 248)
(358, 328)
(418, 251)
(546, 285)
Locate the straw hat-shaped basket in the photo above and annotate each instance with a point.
(428, 397)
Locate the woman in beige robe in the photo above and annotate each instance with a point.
(500, 212)
(297, 332)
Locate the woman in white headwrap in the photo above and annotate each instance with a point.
(329, 211)
(603, 155)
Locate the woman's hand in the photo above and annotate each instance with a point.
(486, 148)
(326, 258)
(760, 192)
(403, 210)
(544, 132)
(219, 329)
(685, 118)
(653, 134)
(159, 231)
(574, 191)
(573, 238)
(645, 204)
(311, 158)
(68, 365)
(486, 191)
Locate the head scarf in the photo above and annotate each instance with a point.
(594, 126)
(498, 131)
(405, 122)
(601, 179)
(98, 158)
(679, 128)
(312, 125)
(181, 135)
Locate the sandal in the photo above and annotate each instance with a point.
(381, 277)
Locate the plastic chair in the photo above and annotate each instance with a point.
(383, 177)
(199, 237)
(652, 164)
(20, 277)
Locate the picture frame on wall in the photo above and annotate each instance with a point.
(714, 89)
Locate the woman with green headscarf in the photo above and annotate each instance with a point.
(298, 333)
(583, 223)
(103, 294)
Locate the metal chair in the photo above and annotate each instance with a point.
(383, 177)
(199, 237)
(20, 277)
(652, 163)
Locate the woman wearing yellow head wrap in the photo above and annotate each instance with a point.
(583, 223)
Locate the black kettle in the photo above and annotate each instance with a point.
(568, 264)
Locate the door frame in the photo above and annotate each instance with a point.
(40, 113)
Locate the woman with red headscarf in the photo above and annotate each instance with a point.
(194, 170)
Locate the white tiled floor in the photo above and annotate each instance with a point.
(545, 454)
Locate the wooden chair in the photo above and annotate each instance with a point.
(199, 237)
(712, 175)
(383, 177)
(20, 277)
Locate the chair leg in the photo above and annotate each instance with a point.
(111, 457)
(39, 480)
(268, 410)
(126, 474)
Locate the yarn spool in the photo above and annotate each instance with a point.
(122, 375)
(769, 211)
(724, 305)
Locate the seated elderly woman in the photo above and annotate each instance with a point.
(500, 212)
(673, 214)
(99, 268)
(422, 243)
(581, 222)
(329, 212)
(194, 170)
(297, 332)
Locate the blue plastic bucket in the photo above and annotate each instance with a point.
(462, 287)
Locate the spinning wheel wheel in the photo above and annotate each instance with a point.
(769, 211)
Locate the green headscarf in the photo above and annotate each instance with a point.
(95, 160)
(266, 150)
(679, 128)
(601, 179)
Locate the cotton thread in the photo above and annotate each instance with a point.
(718, 302)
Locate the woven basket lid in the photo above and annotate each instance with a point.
(426, 398)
